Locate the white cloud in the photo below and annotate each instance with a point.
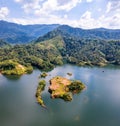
(89, 1)
(69, 5)
(18, 1)
(47, 12)
(4, 11)
(86, 15)
(99, 9)
(86, 21)
(44, 11)
(66, 16)
(51, 19)
(112, 16)
(31, 6)
(110, 19)
(48, 6)
(108, 7)
(113, 6)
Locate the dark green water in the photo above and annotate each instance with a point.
(98, 105)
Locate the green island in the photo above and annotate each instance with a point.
(43, 75)
(63, 88)
(40, 88)
(60, 87)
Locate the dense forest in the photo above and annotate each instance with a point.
(56, 48)
(89, 51)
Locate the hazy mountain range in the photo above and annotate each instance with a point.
(17, 33)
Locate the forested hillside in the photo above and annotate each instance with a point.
(3, 43)
(47, 54)
(100, 33)
(17, 33)
(44, 55)
(86, 50)
(58, 47)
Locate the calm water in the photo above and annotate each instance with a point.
(98, 105)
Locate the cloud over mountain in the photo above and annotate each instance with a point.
(77, 13)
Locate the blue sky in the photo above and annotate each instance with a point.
(85, 14)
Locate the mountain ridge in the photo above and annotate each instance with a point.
(21, 34)
(17, 33)
(99, 33)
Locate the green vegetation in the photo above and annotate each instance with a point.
(44, 55)
(4, 44)
(88, 50)
(61, 88)
(57, 48)
(58, 88)
(76, 86)
(66, 97)
(40, 88)
(43, 75)
(9, 67)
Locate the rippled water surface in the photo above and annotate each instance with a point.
(98, 105)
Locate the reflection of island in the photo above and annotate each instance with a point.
(63, 88)
(43, 75)
(13, 77)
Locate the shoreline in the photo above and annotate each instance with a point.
(106, 66)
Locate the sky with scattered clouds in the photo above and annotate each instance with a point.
(85, 14)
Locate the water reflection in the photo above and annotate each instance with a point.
(12, 77)
(96, 106)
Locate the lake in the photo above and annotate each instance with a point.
(98, 105)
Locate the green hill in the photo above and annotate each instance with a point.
(9, 67)
(57, 48)
(3, 44)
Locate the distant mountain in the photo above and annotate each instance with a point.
(16, 33)
(86, 47)
(99, 33)
(3, 44)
